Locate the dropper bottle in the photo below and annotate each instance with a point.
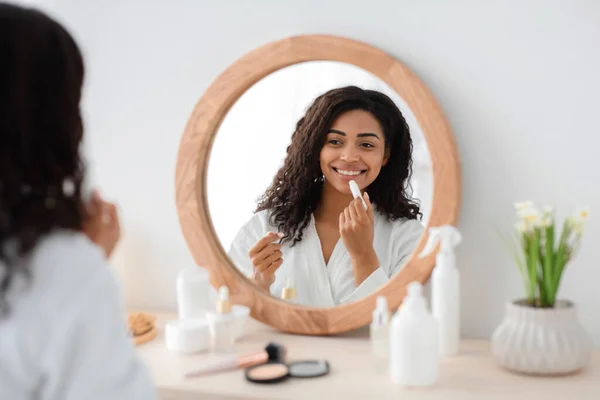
(379, 330)
(288, 293)
(221, 324)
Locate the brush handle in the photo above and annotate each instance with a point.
(227, 365)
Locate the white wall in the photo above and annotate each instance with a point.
(518, 80)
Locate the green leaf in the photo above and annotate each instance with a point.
(548, 263)
(534, 254)
(518, 256)
(544, 300)
(561, 258)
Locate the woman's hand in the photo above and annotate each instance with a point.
(266, 259)
(102, 224)
(357, 233)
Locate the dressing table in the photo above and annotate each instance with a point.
(470, 375)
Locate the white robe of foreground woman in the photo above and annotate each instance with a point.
(326, 285)
(66, 335)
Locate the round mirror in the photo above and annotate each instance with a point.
(264, 182)
(366, 133)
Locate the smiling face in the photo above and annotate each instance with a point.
(354, 150)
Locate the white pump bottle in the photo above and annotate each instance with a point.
(445, 287)
(414, 354)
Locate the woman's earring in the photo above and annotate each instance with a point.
(68, 187)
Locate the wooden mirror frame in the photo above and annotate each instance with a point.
(193, 161)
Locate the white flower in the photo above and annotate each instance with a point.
(578, 219)
(531, 216)
(583, 213)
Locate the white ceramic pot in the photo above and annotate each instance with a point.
(541, 341)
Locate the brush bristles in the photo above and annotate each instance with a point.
(276, 352)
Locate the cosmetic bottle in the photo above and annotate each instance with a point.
(288, 293)
(379, 330)
(445, 287)
(193, 293)
(414, 354)
(222, 324)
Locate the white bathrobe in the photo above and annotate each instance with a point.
(66, 337)
(321, 285)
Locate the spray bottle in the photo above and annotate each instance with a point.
(445, 287)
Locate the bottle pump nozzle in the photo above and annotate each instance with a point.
(447, 235)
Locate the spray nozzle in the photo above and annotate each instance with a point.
(447, 235)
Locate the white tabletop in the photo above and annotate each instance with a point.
(470, 375)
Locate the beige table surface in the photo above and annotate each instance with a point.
(470, 375)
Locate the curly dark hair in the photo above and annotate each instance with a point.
(41, 171)
(297, 187)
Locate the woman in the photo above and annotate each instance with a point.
(307, 225)
(63, 333)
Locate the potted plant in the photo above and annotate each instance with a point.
(541, 334)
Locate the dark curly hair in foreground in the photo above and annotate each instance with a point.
(41, 76)
(296, 189)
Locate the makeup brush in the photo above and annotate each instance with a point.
(273, 352)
